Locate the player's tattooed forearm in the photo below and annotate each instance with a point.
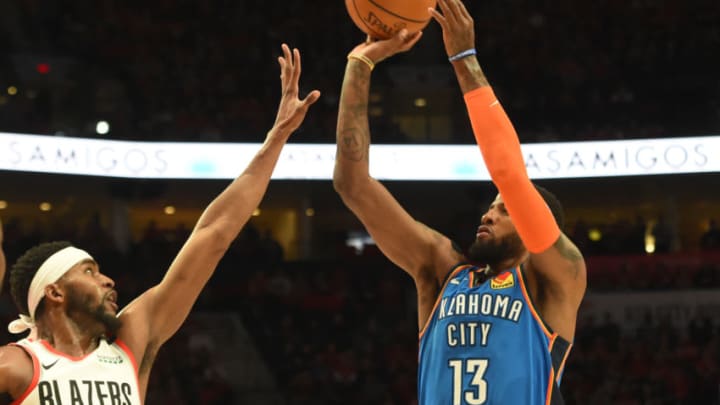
(353, 134)
(353, 144)
(471, 78)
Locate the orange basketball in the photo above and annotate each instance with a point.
(383, 18)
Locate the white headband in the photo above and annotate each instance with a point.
(49, 272)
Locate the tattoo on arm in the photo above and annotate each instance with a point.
(470, 75)
(354, 133)
(354, 145)
(569, 251)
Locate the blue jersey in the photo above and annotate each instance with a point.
(485, 343)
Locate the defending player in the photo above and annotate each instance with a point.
(80, 349)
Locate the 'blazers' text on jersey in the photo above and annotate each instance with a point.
(108, 375)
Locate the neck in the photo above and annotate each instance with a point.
(492, 269)
(69, 336)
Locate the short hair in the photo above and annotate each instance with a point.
(24, 269)
(554, 204)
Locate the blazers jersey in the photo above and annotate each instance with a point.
(485, 343)
(108, 375)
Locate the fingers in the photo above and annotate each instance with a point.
(454, 7)
(448, 11)
(412, 39)
(281, 62)
(437, 17)
(284, 61)
(454, 10)
(407, 40)
(311, 98)
(297, 67)
(405, 37)
(461, 9)
(291, 67)
(286, 55)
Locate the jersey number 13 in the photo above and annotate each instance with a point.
(477, 393)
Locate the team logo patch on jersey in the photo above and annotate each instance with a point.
(502, 280)
(109, 359)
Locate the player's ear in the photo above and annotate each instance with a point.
(53, 292)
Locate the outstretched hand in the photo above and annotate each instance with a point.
(457, 25)
(292, 110)
(379, 50)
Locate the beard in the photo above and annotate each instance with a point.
(495, 251)
(84, 307)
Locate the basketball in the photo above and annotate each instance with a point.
(382, 19)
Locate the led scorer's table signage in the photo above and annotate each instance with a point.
(175, 160)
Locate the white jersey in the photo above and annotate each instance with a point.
(107, 376)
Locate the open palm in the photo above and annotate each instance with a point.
(292, 110)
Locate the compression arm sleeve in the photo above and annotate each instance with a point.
(500, 149)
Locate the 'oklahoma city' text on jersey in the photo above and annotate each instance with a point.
(485, 343)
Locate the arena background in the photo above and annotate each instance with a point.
(304, 309)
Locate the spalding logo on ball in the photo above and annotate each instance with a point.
(382, 19)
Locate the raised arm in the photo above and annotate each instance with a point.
(417, 249)
(157, 314)
(558, 263)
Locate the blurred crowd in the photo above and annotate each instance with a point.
(344, 330)
(656, 364)
(190, 70)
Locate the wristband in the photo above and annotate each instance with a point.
(364, 59)
(463, 54)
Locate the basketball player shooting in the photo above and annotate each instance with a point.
(80, 349)
(498, 333)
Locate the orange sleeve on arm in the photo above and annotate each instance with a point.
(503, 157)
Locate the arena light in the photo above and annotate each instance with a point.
(649, 244)
(42, 68)
(166, 160)
(102, 127)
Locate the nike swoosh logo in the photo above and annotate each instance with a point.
(48, 366)
(454, 281)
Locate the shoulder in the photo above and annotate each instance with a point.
(15, 355)
(134, 333)
(450, 258)
(16, 369)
